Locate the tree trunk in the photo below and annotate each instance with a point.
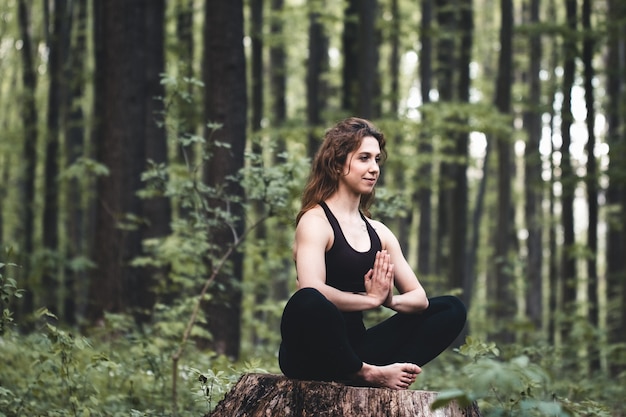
(126, 85)
(156, 210)
(278, 65)
(350, 70)
(256, 69)
(424, 192)
(367, 106)
(75, 188)
(503, 279)
(568, 176)
(553, 248)
(187, 111)
(534, 182)
(260, 395)
(29, 155)
(592, 188)
(58, 44)
(459, 208)
(445, 76)
(616, 261)
(225, 103)
(316, 68)
(278, 86)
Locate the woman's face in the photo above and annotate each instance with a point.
(362, 168)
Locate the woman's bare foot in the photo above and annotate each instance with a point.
(394, 376)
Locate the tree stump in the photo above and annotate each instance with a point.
(266, 395)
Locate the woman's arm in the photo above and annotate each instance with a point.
(412, 296)
(313, 237)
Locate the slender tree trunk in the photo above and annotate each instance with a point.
(568, 176)
(533, 179)
(503, 279)
(58, 45)
(592, 188)
(29, 157)
(226, 103)
(74, 149)
(553, 249)
(394, 59)
(278, 85)
(424, 193)
(4, 180)
(261, 286)
(459, 218)
(367, 105)
(402, 223)
(188, 114)
(156, 210)
(317, 66)
(256, 64)
(278, 60)
(350, 70)
(616, 194)
(446, 62)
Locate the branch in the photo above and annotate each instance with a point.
(194, 315)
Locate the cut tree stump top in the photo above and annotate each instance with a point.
(267, 395)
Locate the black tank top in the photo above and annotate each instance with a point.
(345, 266)
(346, 269)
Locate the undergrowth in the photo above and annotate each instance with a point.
(117, 370)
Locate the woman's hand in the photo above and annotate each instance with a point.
(379, 279)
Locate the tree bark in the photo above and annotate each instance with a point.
(126, 84)
(568, 175)
(534, 182)
(424, 192)
(156, 210)
(74, 148)
(278, 85)
(457, 277)
(278, 65)
(226, 103)
(616, 236)
(260, 395)
(58, 43)
(445, 80)
(317, 67)
(350, 71)
(591, 181)
(503, 280)
(367, 96)
(29, 116)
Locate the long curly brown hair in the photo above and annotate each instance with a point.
(339, 141)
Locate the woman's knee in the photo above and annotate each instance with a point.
(457, 304)
(450, 303)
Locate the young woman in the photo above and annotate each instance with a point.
(347, 263)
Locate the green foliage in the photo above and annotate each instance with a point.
(524, 384)
(8, 292)
(54, 372)
(116, 372)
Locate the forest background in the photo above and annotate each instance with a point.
(152, 155)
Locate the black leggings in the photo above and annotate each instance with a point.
(315, 344)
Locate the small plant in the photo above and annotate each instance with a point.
(8, 292)
(514, 387)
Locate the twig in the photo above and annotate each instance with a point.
(194, 315)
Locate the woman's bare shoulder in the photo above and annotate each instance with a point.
(313, 216)
(314, 228)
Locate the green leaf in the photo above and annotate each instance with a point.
(444, 398)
